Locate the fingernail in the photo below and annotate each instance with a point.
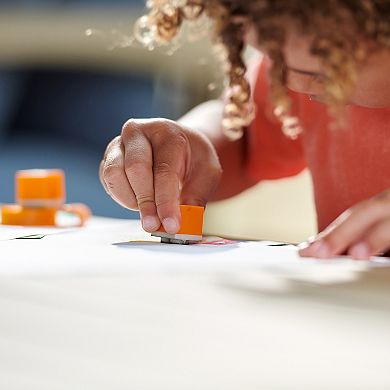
(171, 226)
(360, 252)
(150, 224)
(308, 248)
(323, 251)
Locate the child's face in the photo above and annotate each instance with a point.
(305, 72)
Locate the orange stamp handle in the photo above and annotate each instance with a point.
(191, 228)
(40, 195)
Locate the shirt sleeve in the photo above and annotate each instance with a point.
(269, 154)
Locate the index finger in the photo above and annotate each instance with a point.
(139, 171)
(170, 158)
(348, 229)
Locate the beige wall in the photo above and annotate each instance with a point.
(280, 210)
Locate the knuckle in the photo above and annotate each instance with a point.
(168, 132)
(115, 143)
(162, 125)
(145, 200)
(111, 186)
(132, 204)
(381, 235)
(150, 126)
(373, 204)
(380, 201)
(385, 196)
(180, 140)
(162, 168)
(332, 241)
(375, 207)
(360, 207)
(137, 168)
(111, 171)
(365, 208)
(128, 128)
(163, 202)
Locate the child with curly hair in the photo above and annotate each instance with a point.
(317, 96)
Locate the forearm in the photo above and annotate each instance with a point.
(207, 118)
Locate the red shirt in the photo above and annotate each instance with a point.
(347, 165)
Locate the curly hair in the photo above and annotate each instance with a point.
(338, 28)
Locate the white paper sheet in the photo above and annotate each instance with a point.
(104, 247)
(14, 232)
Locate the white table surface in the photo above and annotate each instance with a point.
(77, 312)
